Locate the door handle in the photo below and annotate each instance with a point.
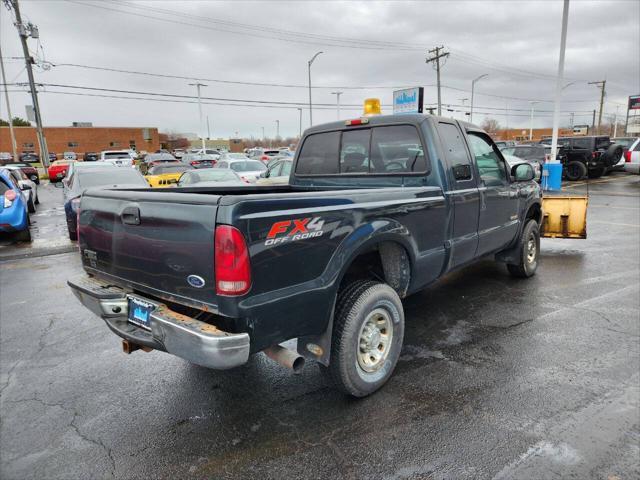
(130, 216)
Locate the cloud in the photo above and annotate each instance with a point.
(507, 40)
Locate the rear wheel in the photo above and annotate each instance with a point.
(529, 252)
(24, 235)
(596, 172)
(368, 331)
(575, 171)
(30, 206)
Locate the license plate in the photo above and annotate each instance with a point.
(140, 312)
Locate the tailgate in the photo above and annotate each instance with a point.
(161, 243)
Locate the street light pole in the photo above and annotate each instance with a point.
(337, 94)
(198, 85)
(309, 63)
(300, 123)
(531, 121)
(559, 80)
(277, 130)
(473, 87)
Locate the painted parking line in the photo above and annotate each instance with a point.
(614, 207)
(617, 224)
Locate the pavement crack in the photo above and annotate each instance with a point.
(94, 441)
(9, 376)
(43, 336)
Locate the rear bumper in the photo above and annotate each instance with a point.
(183, 336)
(632, 168)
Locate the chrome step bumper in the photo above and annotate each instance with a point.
(180, 335)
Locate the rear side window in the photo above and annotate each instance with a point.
(3, 186)
(581, 143)
(319, 154)
(397, 148)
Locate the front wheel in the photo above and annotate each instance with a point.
(24, 235)
(529, 252)
(30, 206)
(368, 331)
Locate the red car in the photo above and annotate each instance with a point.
(58, 169)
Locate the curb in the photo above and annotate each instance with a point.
(45, 252)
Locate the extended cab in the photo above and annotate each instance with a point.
(376, 209)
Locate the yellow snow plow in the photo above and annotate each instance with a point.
(564, 217)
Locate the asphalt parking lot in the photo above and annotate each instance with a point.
(499, 378)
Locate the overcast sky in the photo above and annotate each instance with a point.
(365, 44)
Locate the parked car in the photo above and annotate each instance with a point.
(199, 160)
(166, 174)
(29, 157)
(77, 166)
(70, 156)
(265, 155)
(249, 170)
(91, 157)
(277, 173)
(587, 156)
(29, 171)
(159, 157)
(121, 158)
(108, 177)
(505, 143)
(31, 193)
(535, 153)
(178, 153)
(632, 158)
(53, 157)
(625, 143)
(58, 169)
(5, 157)
(367, 219)
(211, 177)
(14, 215)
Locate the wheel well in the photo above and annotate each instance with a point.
(386, 261)
(535, 213)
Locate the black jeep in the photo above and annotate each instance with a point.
(590, 156)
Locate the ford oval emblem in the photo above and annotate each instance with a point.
(196, 281)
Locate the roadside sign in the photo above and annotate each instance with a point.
(408, 100)
(634, 102)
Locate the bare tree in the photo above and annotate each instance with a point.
(490, 125)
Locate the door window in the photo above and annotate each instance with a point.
(456, 152)
(490, 165)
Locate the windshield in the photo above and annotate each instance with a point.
(208, 175)
(164, 169)
(248, 166)
(111, 176)
(116, 155)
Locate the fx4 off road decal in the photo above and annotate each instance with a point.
(292, 230)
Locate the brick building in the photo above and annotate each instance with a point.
(81, 139)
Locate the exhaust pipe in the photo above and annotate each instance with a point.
(285, 357)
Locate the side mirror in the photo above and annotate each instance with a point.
(265, 174)
(58, 185)
(523, 172)
(462, 172)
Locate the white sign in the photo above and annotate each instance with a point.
(31, 114)
(408, 100)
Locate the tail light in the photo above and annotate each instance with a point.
(264, 158)
(627, 156)
(232, 268)
(9, 197)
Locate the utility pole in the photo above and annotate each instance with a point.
(300, 124)
(435, 58)
(601, 85)
(277, 130)
(198, 85)
(337, 94)
(571, 115)
(263, 134)
(208, 129)
(6, 96)
(615, 122)
(25, 31)
(473, 87)
(593, 123)
(309, 63)
(463, 112)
